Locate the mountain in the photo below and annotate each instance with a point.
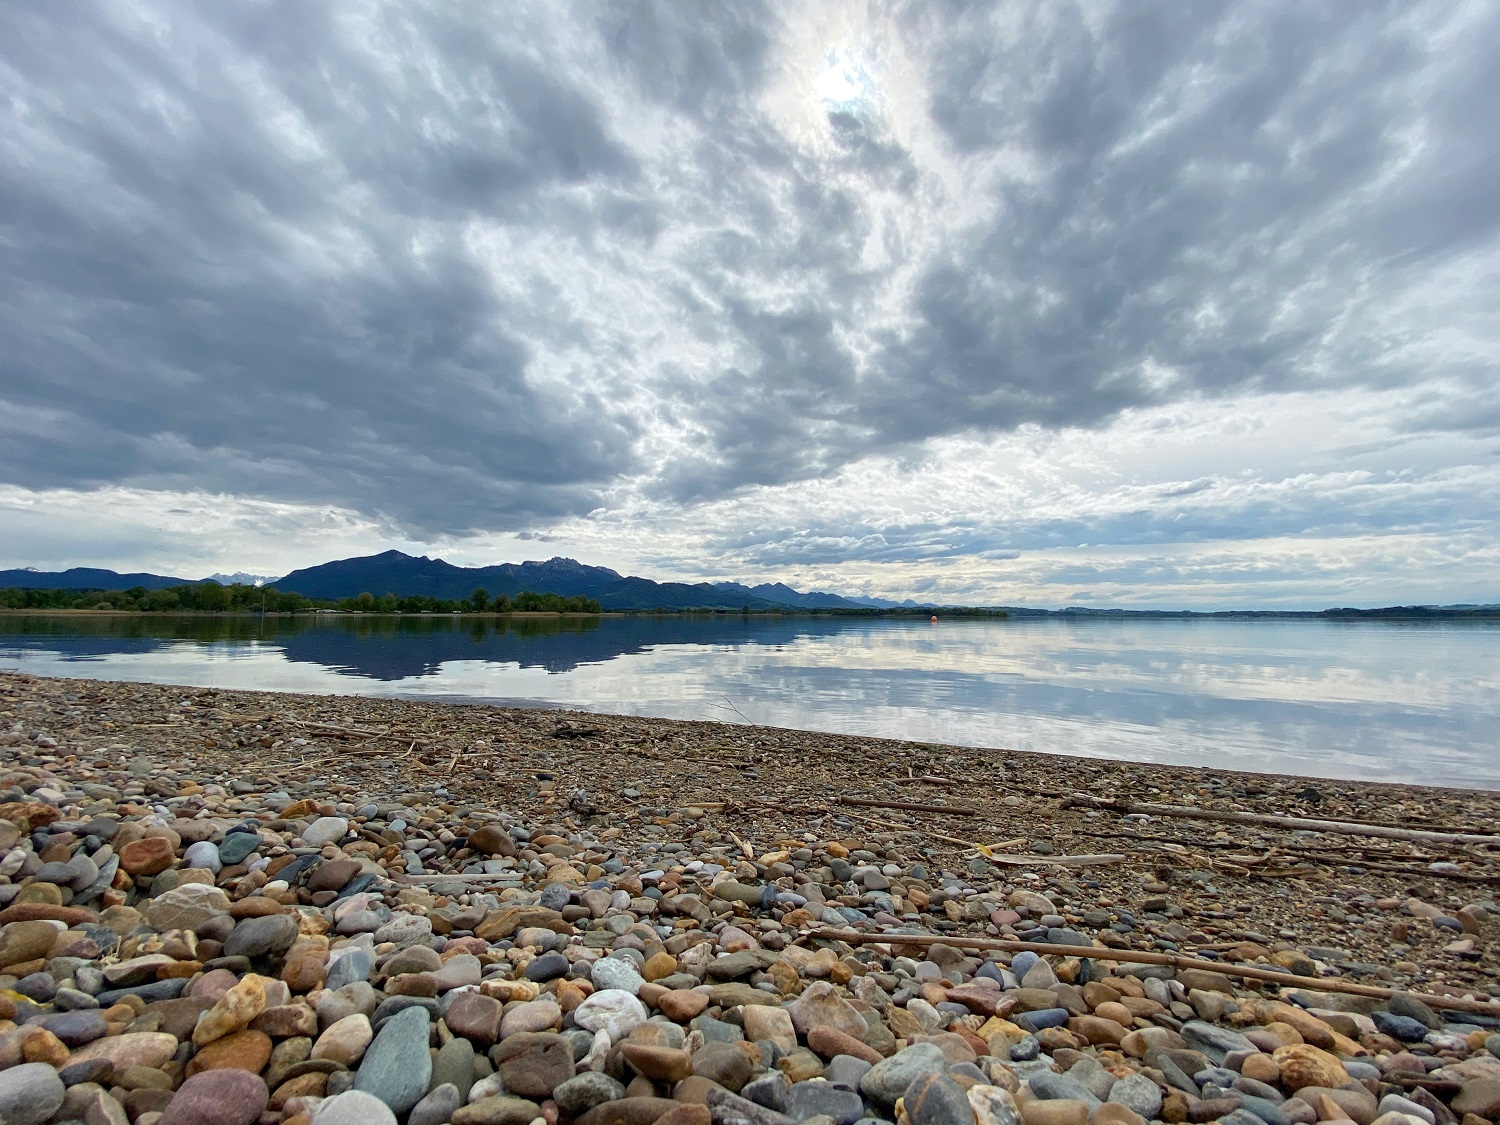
(241, 578)
(84, 578)
(394, 572)
(782, 594)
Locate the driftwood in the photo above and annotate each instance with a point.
(1177, 961)
(1341, 827)
(906, 806)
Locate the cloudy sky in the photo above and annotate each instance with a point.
(1118, 304)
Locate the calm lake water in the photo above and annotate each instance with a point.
(1366, 700)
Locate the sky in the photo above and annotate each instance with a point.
(1133, 304)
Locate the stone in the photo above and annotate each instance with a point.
(332, 874)
(1138, 1094)
(136, 1048)
(75, 1028)
(1060, 1087)
(888, 1079)
(731, 1109)
(769, 1090)
(237, 847)
(396, 1067)
(686, 1113)
(764, 1022)
(203, 855)
(1404, 1028)
(815, 1099)
(532, 1064)
(1479, 1096)
(936, 1099)
(437, 1107)
(26, 941)
(830, 1042)
(217, 1097)
(820, 1006)
(492, 839)
(29, 1094)
(325, 830)
(234, 1010)
(549, 966)
(682, 1004)
(1213, 1041)
(660, 1064)
(150, 856)
(583, 1092)
(1305, 1065)
(1405, 1004)
(259, 937)
(1111, 1113)
(1054, 1113)
(498, 1110)
(405, 929)
(239, 1050)
(477, 1017)
(725, 1064)
(616, 974)
(993, 1105)
(353, 1107)
(345, 1040)
(454, 1065)
(1395, 1103)
(611, 1010)
(538, 1015)
(190, 906)
(355, 965)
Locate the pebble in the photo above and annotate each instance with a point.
(396, 1067)
(353, 1107)
(29, 1094)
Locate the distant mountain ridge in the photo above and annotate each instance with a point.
(399, 573)
(84, 578)
(395, 572)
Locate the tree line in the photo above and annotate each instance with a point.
(211, 597)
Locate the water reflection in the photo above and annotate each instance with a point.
(1372, 700)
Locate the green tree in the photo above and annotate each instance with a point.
(480, 599)
(365, 601)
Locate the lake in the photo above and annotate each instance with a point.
(1391, 701)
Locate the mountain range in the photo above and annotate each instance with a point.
(394, 572)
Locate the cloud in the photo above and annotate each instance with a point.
(767, 286)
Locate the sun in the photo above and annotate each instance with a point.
(843, 83)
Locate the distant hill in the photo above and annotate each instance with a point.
(84, 578)
(397, 573)
(782, 594)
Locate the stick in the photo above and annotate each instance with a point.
(1342, 827)
(457, 876)
(1177, 961)
(906, 806)
(1056, 860)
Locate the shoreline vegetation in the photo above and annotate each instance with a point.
(211, 598)
(240, 600)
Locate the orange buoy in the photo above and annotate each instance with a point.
(934, 617)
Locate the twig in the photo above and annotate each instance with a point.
(906, 806)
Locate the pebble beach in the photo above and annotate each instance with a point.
(230, 908)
